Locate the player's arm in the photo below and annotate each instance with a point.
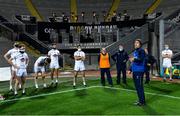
(11, 63)
(164, 54)
(77, 57)
(83, 57)
(6, 56)
(27, 60)
(49, 54)
(59, 54)
(170, 54)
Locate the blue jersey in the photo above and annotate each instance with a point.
(138, 65)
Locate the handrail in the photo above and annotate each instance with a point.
(129, 39)
(114, 7)
(176, 55)
(153, 6)
(33, 10)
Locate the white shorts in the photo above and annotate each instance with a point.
(54, 65)
(39, 69)
(79, 67)
(21, 72)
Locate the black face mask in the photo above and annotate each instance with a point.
(16, 46)
(21, 52)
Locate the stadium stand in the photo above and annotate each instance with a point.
(90, 38)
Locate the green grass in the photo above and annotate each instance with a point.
(96, 100)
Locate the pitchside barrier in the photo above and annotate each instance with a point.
(5, 73)
(176, 71)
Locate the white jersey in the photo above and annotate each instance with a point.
(40, 61)
(79, 64)
(20, 60)
(167, 61)
(12, 52)
(54, 55)
(79, 53)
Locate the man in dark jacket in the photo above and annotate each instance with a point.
(150, 60)
(121, 57)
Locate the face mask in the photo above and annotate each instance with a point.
(104, 52)
(166, 48)
(120, 49)
(16, 46)
(79, 49)
(21, 52)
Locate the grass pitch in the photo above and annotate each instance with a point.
(162, 98)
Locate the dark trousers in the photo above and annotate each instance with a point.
(108, 74)
(119, 71)
(147, 76)
(138, 82)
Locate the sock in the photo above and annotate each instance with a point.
(19, 86)
(45, 85)
(56, 81)
(36, 85)
(15, 92)
(23, 91)
(74, 84)
(10, 87)
(84, 83)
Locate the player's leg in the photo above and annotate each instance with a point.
(52, 67)
(36, 80)
(75, 78)
(23, 79)
(52, 76)
(36, 71)
(82, 69)
(18, 80)
(83, 77)
(11, 79)
(76, 70)
(170, 74)
(14, 77)
(43, 76)
(164, 74)
(43, 79)
(57, 74)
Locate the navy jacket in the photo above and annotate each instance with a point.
(139, 63)
(120, 57)
(149, 60)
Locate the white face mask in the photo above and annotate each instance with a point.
(166, 48)
(120, 49)
(79, 49)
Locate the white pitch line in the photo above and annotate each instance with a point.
(59, 92)
(53, 93)
(130, 90)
